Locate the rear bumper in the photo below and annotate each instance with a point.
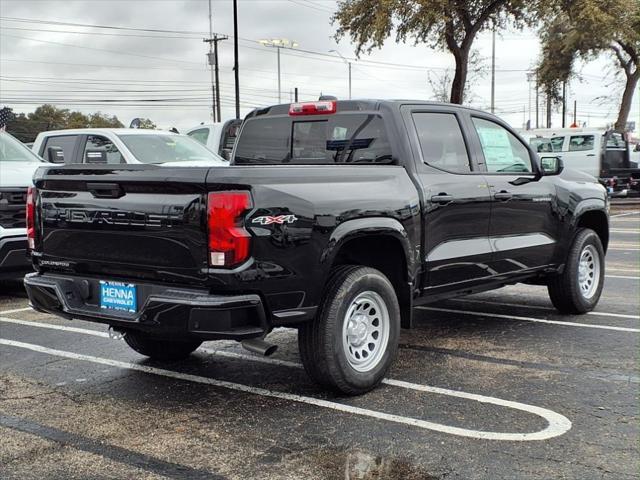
(14, 262)
(166, 311)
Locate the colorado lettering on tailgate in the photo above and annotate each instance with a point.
(99, 217)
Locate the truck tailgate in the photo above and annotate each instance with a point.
(133, 221)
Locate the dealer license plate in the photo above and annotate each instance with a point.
(118, 296)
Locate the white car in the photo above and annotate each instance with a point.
(17, 165)
(123, 146)
(218, 137)
(604, 154)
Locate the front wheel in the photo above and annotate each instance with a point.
(578, 288)
(352, 342)
(158, 348)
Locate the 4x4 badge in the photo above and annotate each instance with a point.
(279, 219)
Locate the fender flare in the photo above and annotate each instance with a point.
(363, 227)
(379, 226)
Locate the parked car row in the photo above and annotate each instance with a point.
(92, 146)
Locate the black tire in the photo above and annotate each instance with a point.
(321, 342)
(564, 289)
(158, 348)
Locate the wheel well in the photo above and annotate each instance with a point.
(596, 221)
(386, 254)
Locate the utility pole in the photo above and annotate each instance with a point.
(529, 79)
(212, 58)
(575, 113)
(493, 71)
(537, 103)
(564, 104)
(548, 110)
(235, 56)
(295, 94)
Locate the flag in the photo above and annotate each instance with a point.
(5, 114)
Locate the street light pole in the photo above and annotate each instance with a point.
(278, 44)
(279, 82)
(529, 80)
(348, 65)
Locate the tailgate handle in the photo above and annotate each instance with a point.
(105, 190)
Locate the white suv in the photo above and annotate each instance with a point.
(17, 165)
(122, 146)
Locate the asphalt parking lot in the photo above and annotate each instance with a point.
(492, 386)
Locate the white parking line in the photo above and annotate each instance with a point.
(556, 424)
(489, 302)
(634, 231)
(530, 319)
(16, 310)
(624, 277)
(51, 326)
(624, 214)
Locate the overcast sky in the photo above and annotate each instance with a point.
(54, 63)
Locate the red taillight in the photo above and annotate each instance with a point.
(31, 218)
(313, 108)
(229, 242)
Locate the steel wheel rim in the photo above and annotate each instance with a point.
(365, 331)
(589, 271)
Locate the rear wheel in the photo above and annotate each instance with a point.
(354, 338)
(158, 348)
(578, 288)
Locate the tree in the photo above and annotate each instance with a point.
(585, 29)
(48, 117)
(450, 25)
(440, 82)
(147, 123)
(101, 120)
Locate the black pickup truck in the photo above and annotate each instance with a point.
(335, 217)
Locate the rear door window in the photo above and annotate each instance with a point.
(64, 144)
(441, 141)
(581, 143)
(201, 135)
(100, 149)
(556, 143)
(344, 138)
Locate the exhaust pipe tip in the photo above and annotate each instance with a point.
(259, 346)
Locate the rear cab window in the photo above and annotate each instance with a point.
(349, 137)
(62, 148)
(99, 149)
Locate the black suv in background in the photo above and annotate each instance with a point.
(335, 217)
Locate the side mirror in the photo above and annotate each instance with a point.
(95, 156)
(55, 155)
(551, 165)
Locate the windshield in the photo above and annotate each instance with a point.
(168, 148)
(12, 150)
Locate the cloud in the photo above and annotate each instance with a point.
(122, 63)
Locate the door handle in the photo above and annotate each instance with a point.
(591, 155)
(503, 195)
(442, 198)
